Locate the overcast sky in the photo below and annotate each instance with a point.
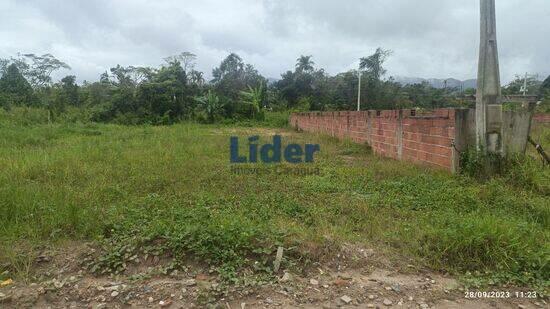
(429, 38)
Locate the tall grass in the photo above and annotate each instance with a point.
(170, 188)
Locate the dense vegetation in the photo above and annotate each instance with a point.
(176, 91)
(169, 189)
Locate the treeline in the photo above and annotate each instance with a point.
(175, 91)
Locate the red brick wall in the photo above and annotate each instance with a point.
(398, 134)
(428, 138)
(541, 118)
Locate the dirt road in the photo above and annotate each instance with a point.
(60, 281)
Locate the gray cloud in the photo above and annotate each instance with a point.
(430, 38)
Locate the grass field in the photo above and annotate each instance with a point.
(170, 189)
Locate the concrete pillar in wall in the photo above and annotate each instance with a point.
(465, 135)
(399, 134)
(516, 129)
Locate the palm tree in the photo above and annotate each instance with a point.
(197, 78)
(304, 64)
(211, 105)
(373, 63)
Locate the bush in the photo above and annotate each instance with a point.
(519, 170)
(25, 116)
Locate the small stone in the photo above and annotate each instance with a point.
(410, 298)
(163, 303)
(387, 302)
(269, 300)
(340, 282)
(114, 294)
(184, 290)
(190, 282)
(58, 284)
(243, 305)
(396, 288)
(521, 306)
(278, 259)
(424, 305)
(42, 259)
(388, 288)
(346, 299)
(370, 306)
(432, 282)
(400, 303)
(325, 286)
(313, 282)
(286, 277)
(371, 297)
(151, 299)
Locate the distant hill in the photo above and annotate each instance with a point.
(437, 83)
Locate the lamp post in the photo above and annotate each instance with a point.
(359, 91)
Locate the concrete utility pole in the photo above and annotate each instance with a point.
(488, 101)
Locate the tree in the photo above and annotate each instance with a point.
(515, 87)
(95, 94)
(373, 64)
(544, 90)
(130, 76)
(343, 89)
(3, 66)
(197, 78)
(298, 86)
(39, 70)
(305, 64)
(232, 66)
(232, 77)
(544, 95)
(15, 89)
(70, 90)
(187, 60)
